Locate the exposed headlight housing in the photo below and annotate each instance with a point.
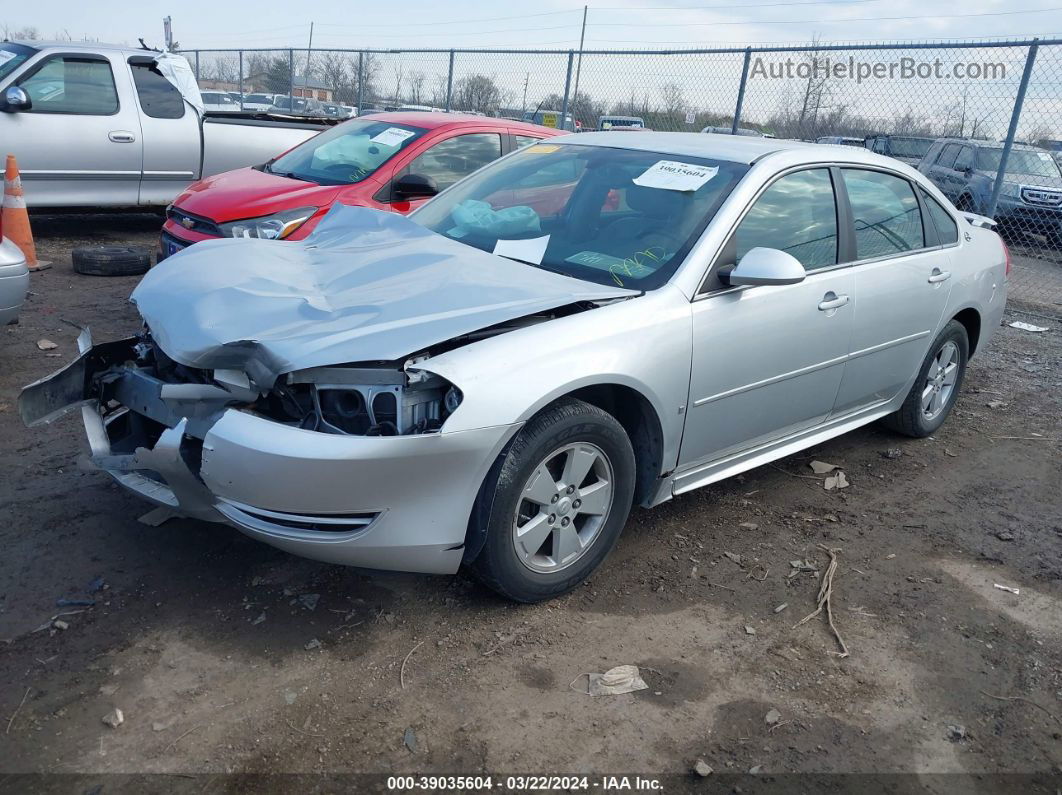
(269, 227)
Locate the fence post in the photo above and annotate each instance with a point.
(741, 90)
(291, 81)
(361, 83)
(450, 83)
(1015, 117)
(197, 66)
(567, 88)
(241, 79)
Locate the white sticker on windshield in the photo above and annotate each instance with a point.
(672, 175)
(392, 136)
(528, 250)
(5, 56)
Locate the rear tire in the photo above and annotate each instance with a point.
(936, 388)
(111, 260)
(560, 500)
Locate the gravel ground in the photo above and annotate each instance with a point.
(226, 655)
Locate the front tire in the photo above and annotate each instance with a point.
(936, 388)
(561, 498)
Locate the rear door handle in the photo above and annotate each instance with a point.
(939, 276)
(832, 301)
(121, 136)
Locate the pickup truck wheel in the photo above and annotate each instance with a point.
(936, 388)
(111, 260)
(561, 497)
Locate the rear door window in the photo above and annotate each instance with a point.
(947, 229)
(885, 213)
(158, 97)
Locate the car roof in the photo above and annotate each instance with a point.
(981, 144)
(735, 148)
(84, 46)
(435, 121)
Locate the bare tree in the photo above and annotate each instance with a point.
(477, 93)
(674, 105)
(416, 87)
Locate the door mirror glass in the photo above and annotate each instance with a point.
(16, 98)
(764, 266)
(414, 186)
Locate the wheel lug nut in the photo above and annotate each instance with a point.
(577, 503)
(551, 519)
(565, 521)
(571, 489)
(554, 498)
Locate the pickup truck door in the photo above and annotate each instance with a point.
(79, 143)
(170, 131)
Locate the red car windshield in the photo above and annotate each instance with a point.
(347, 153)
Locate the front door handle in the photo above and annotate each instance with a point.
(939, 276)
(832, 301)
(121, 136)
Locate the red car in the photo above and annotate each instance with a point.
(390, 161)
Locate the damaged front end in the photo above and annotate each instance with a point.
(147, 416)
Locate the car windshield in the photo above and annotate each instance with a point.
(910, 147)
(347, 153)
(12, 56)
(607, 215)
(1021, 161)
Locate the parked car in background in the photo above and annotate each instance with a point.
(219, 102)
(747, 131)
(491, 385)
(237, 97)
(259, 103)
(335, 111)
(842, 140)
(1030, 199)
(118, 133)
(296, 106)
(909, 149)
(14, 280)
(390, 161)
(552, 119)
(620, 123)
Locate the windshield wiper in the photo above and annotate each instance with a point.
(522, 261)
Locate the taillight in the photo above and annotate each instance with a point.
(1006, 258)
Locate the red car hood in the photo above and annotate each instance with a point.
(249, 193)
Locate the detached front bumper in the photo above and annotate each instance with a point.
(382, 502)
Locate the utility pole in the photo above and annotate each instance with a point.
(579, 66)
(167, 33)
(306, 77)
(527, 79)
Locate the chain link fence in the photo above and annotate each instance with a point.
(983, 120)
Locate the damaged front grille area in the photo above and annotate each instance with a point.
(378, 399)
(363, 401)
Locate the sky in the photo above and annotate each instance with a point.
(611, 24)
(708, 82)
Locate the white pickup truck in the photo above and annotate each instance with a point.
(104, 126)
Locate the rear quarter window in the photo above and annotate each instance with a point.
(947, 229)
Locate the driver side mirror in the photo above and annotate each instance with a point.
(766, 266)
(414, 186)
(15, 99)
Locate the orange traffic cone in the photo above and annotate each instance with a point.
(15, 219)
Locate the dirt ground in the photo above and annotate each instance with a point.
(226, 655)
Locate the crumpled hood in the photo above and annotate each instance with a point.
(365, 286)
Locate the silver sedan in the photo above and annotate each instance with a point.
(586, 324)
